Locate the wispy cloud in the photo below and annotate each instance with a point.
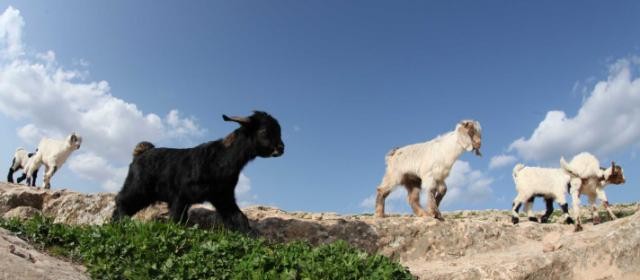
(500, 161)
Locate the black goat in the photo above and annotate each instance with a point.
(207, 172)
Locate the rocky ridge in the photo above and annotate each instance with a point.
(467, 245)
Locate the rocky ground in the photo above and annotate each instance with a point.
(467, 245)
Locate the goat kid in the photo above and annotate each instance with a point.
(207, 172)
(53, 154)
(426, 166)
(21, 160)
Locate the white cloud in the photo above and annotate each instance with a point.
(92, 167)
(54, 102)
(11, 24)
(608, 121)
(464, 186)
(501, 161)
(243, 192)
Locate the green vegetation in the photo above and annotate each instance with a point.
(155, 250)
(623, 210)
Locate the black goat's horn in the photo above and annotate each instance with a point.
(240, 120)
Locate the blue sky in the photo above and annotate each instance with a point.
(348, 81)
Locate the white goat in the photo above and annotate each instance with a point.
(588, 178)
(21, 160)
(53, 153)
(549, 183)
(426, 166)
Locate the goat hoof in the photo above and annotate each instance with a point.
(577, 228)
(438, 216)
(596, 220)
(515, 220)
(533, 219)
(544, 220)
(569, 221)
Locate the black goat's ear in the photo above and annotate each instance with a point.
(240, 120)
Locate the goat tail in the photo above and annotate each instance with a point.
(142, 147)
(566, 167)
(517, 169)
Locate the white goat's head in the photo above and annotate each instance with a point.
(614, 174)
(74, 140)
(470, 135)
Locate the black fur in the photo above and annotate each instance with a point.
(565, 209)
(549, 211)
(10, 175)
(21, 178)
(208, 172)
(30, 181)
(515, 219)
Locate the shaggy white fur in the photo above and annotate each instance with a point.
(426, 166)
(53, 153)
(588, 178)
(531, 182)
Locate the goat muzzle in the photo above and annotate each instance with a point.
(278, 151)
(476, 147)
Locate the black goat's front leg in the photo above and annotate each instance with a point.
(179, 211)
(231, 215)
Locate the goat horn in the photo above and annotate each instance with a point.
(240, 120)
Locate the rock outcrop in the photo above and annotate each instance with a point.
(19, 260)
(467, 245)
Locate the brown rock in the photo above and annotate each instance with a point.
(22, 213)
(19, 260)
(466, 245)
(12, 196)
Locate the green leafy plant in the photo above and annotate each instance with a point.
(156, 250)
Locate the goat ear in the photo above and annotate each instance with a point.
(240, 120)
(613, 165)
(466, 124)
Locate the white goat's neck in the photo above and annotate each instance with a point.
(450, 149)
